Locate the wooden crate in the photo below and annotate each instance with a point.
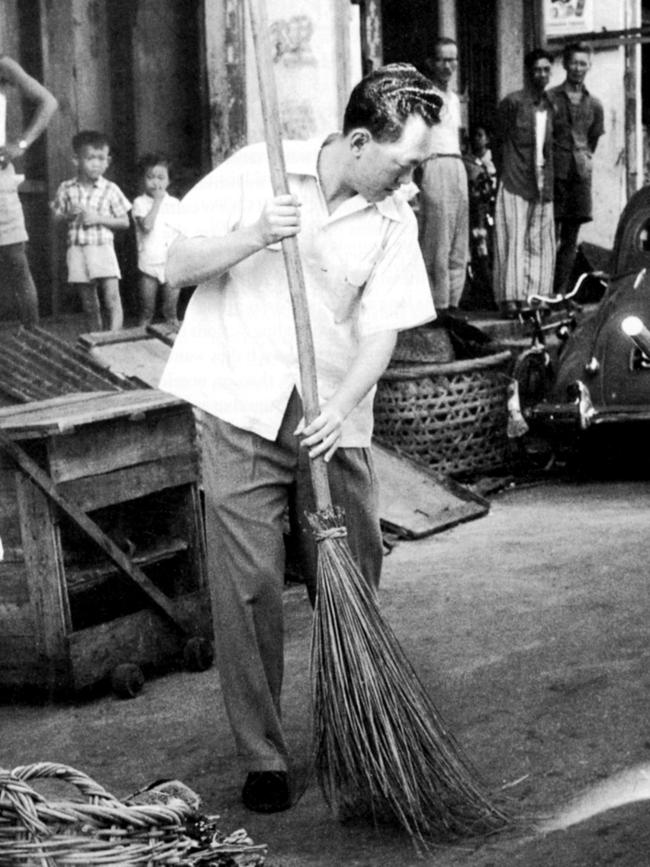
(68, 615)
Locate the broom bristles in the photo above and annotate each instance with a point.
(381, 747)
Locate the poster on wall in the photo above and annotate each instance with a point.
(568, 17)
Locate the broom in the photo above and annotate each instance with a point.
(380, 745)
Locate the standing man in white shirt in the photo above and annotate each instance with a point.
(236, 359)
(444, 205)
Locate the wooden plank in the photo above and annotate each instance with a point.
(163, 331)
(64, 413)
(143, 638)
(95, 492)
(46, 486)
(44, 565)
(415, 502)
(53, 366)
(9, 524)
(95, 449)
(14, 589)
(106, 338)
(16, 621)
(84, 579)
(145, 358)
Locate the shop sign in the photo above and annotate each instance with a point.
(568, 17)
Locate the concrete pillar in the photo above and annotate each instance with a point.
(447, 26)
(633, 103)
(510, 46)
(447, 18)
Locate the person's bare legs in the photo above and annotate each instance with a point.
(111, 302)
(147, 291)
(15, 270)
(90, 305)
(170, 303)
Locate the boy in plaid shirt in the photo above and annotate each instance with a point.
(93, 208)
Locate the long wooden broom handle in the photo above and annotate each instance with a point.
(290, 249)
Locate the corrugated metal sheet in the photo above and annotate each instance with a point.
(36, 364)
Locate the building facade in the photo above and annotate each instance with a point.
(179, 76)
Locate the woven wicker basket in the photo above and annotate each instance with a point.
(101, 830)
(452, 417)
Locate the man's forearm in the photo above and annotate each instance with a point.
(372, 359)
(193, 260)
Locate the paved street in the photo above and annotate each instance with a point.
(530, 629)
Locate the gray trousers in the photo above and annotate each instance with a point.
(444, 228)
(248, 483)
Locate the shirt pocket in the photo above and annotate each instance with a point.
(351, 269)
(349, 296)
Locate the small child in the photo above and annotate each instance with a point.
(480, 145)
(150, 213)
(482, 182)
(93, 208)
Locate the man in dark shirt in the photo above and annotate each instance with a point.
(524, 231)
(577, 126)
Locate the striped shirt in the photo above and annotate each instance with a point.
(104, 197)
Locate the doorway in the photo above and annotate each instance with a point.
(408, 30)
(477, 69)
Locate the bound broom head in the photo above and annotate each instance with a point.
(381, 747)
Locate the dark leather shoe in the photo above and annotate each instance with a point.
(266, 791)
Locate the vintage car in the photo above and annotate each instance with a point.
(601, 376)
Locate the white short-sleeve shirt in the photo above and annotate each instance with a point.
(235, 355)
(153, 245)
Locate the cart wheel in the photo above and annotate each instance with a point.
(127, 680)
(198, 654)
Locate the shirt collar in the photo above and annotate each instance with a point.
(301, 158)
(564, 89)
(100, 182)
(543, 98)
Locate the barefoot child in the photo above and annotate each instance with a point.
(151, 212)
(93, 208)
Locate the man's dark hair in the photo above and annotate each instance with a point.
(89, 138)
(383, 101)
(575, 48)
(151, 159)
(536, 54)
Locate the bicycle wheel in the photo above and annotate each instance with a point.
(533, 374)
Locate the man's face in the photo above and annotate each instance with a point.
(540, 75)
(380, 168)
(444, 64)
(577, 67)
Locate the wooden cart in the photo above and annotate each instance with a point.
(104, 566)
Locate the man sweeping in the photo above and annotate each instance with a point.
(235, 359)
